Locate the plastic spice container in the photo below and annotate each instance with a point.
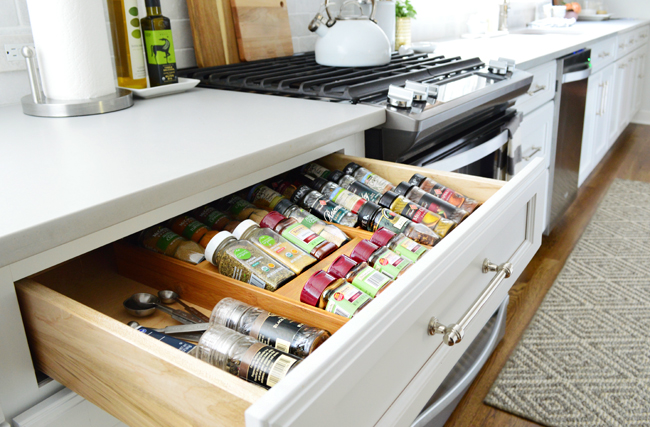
(373, 217)
(321, 206)
(360, 274)
(188, 227)
(335, 295)
(275, 246)
(315, 170)
(164, 241)
(381, 259)
(398, 243)
(431, 202)
(299, 235)
(329, 232)
(444, 193)
(211, 217)
(354, 186)
(241, 209)
(276, 331)
(416, 213)
(243, 261)
(244, 356)
(339, 195)
(366, 177)
(264, 197)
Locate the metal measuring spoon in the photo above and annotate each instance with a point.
(186, 332)
(170, 297)
(144, 304)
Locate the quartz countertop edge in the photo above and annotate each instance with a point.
(65, 178)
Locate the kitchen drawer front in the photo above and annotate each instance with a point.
(365, 367)
(535, 134)
(603, 53)
(541, 90)
(642, 35)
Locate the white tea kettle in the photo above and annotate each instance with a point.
(350, 40)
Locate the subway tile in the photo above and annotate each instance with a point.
(182, 32)
(185, 58)
(8, 14)
(175, 9)
(299, 24)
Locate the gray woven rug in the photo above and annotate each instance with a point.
(585, 358)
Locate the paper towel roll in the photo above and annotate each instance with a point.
(72, 46)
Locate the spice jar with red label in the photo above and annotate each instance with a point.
(416, 213)
(354, 186)
(431, 202)
(360, 274)
(381, 259)
(373, 217)
(299, 235)
(333, 294)
(339, 195)
(398, 243)
(372, 180)
(323, 207)
(444, 193)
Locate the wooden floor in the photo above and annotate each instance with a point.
(629, 158)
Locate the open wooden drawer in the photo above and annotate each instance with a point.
(378, 368)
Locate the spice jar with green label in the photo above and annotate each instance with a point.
(164, 241)
(274, 245)
(315, 170)
(333, 294)
(211, 217)
(416, 213)
(241, 209)
(447, 194)
(431, 202)
(373, 217)
(321, 206)
(299, 235)
(398, 243)
(381, 259)
(339, 195)
(243, 261)
(244, 356)
(360, 274)
(188, 227)
(354, 186)
(329, 232)
(373, 181)
(276, 331)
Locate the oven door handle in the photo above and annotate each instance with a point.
(457, 161)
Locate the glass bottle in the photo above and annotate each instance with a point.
(339, 195)
(244, 356)
(431, 202)
(354, 186)
(241, 209)
(416, 213)
(159, 45)
(329, 232)
(299, 235)
(275, 246)
(127, 43)
(381, 259)
(366, 177)
(321, 206)
(315, 170)
(188, 227)
(164, 241)
(243, 261)
(335, 295)
(276, 331)
(211, 217)
(360, 274)
(447, 194)
(373, 217)
(264, 197)
(398, 243)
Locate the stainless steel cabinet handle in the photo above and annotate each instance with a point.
(534, 151)
(605, 92)
(453, 334)
(537, 89)
(601, 107)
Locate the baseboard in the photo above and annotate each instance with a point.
(642, 117)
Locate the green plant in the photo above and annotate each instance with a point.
(404, 9)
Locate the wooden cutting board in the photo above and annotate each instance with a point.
(262, 28)
(213, 30)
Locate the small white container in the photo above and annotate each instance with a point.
(558, 11)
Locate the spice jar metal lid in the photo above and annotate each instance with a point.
(282, 206)
(350, 168)
(417, 179)
(387, 199)
(315, 286)
(363, 251)
(214, 243)
(243, 227)
(341, 266)
(382, 236)
(403, 188)
(318, 184)
(335, 176)
(300, 193)
(367, 211)
(271, 220)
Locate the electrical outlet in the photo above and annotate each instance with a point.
(12, 51)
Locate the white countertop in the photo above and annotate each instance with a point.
(66, 178)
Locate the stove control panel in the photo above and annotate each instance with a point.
(400, 97)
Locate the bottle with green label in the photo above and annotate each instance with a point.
(127, 43)
(360, 274)
(381, 259)
(159, 46)
(398, 243)
(299, 235)
(329, 232)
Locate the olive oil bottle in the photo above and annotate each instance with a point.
(127, 43)
(159, 46)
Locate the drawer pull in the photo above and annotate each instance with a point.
(603, 54)
(534, 151)
(454, 334)
(621, 46)
(538, 88)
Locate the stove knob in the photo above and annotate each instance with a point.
(400, 97)
(510, 62)
(498, 67)
(420, 90)
(433, 91)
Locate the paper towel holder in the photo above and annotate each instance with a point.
(37, 104)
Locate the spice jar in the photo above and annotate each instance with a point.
(285, 186)
(244, 356)
(333, 294)
(354, 186)
(360, 274)
(188, 227)
(398, 243)
(211, 217)
(373, 217)
(321, 206)
(299, 235)
(339, 195)
(274, 245)
(315, 170)
(243, 261)
(431, 202)
(241, 209)
(444, 193)
(264, 197)
(381, 259)
(276, 331)
(416, 213)
(329, 232)
(366, 177)
(164, 241)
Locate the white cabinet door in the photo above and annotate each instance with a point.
(601, 128)
(593, 107)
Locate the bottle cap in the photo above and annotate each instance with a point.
(387, 199)
(363, 250)
(403, 188)
(152, 3)
(300, 194)
(318, 184)
(341, 266)
(367, 211)
(315, 286)
(282, 206)
(335, 176)
(271, 220)
(417, 179)
(243, 227)
(382, 236)
(214, 243)
(350, 168)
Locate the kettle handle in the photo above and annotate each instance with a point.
(373, 11)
